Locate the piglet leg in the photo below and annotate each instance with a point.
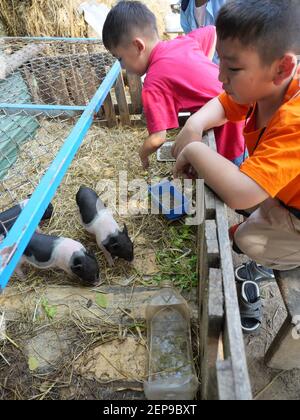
(107, 255)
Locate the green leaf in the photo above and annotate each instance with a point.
(33, 363)
(101, 300)
(50, 311)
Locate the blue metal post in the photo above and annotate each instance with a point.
(12, 248)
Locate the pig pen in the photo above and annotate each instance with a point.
(60, 340)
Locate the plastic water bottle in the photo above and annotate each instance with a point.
(171, 370)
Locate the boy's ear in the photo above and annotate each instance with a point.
(285, 68)
(139, 44)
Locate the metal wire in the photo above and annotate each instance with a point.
(41, 72)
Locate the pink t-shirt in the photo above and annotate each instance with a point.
(181, 78)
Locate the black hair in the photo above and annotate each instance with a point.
(123, 19)
(272, 27)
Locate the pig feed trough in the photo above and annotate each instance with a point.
(58, 96)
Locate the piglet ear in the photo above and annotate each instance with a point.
(125, 230)
(77, 265)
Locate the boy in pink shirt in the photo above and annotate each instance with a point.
(180, 76)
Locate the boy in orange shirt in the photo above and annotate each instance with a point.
(258, 45)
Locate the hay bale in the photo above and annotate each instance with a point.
(58, 17)
(158, 7)
(42, 18)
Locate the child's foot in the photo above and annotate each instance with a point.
(250, 271)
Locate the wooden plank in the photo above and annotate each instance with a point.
(89, 80)
(81, 87)
(242, 387)
(284, 352)
(109, 111)
(44, 92)
(202, 263)
(63, 88)
(211, 140)
(210, 198)
(211, 237)
(225, 381)
(135, 89)
(74, 86)
(210, 204)
(32, 84)
(122, 101)
(211, 319)
(289, 285)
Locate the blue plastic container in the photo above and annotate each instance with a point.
(170, 201)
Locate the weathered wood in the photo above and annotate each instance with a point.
(122, 101)
(44, 91)
(74, 86)
(109, 111)
(202, 263)
(63, 88)
(224, 374)
(284, 352)
(213, 252)
(289, 285)
(211, 140)
(84, 100)
(210, 198)
(32, 85)
(242, 387)
(210, 204)
(226, 385)
(212, 318)
(135, 89)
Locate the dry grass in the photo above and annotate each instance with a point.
(42, 18)
(103, 154)
(58, 17)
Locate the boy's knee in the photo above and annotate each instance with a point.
(245, 241)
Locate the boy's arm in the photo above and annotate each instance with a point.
(210, 115)
(151, 144)
(236, 189)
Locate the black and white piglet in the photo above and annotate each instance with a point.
(99, 221)
(9, 216)
(44, 252)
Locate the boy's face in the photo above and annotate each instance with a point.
(243, 74)
(132, 57)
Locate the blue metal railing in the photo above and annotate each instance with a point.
(12, 248)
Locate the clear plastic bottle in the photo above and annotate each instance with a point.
(171, 370)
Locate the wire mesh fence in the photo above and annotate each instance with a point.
(51, 76)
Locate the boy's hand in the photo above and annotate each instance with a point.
(151, 144)
(183, 167)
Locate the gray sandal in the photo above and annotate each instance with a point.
(250, 271)
(250, 307)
